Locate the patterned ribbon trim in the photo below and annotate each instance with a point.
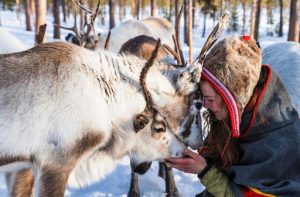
(228, 98)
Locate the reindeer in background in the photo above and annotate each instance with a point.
(284, 58)
(9, 43)
(143, 46)
(156, 27)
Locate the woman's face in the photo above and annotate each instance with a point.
(213, 101)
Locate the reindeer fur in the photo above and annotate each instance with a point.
(155, 27)
(62, 108)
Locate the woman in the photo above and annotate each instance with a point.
(254, 132)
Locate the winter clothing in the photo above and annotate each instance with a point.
(236, 62)
(269, 130)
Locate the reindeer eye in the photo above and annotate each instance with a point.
(159, 127)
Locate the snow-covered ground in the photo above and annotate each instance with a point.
(117, 183)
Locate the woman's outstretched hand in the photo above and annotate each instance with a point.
(190, 163)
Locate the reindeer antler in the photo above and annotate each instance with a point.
(106, 45)
(142, 119)
(177, 36)
(90, 18)
(144, 72)
(178, 54)
(212, 38)
(170, 50)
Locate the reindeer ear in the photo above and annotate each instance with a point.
(140, 121)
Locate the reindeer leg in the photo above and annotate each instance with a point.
(171, 188)
(134, 190)
(51, 181)
(161, 170)
(20, 183)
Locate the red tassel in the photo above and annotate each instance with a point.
(246, 38)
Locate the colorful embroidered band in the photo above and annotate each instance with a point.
(228, 98)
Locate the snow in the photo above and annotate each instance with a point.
(117, 183)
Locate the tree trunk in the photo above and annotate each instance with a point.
(63, 6)
(32, 6)
(222, 7)
(82, 13)
(204, 25)
(0, 18)
(40, 15)
(176, 10)
(255, 18)
(138, 5)
(294, 21)
(112, 22)
(122, 9)
(244, 16)
(153, 8)
(28, 15)
(269, 12)
(69, 8)
(252, 22)
(194, 11)
(133, 8)
(190, 29)
(18, 6)
(143, 8)
(280, 33)
(185, 14)
(170, 10)
(56, 32)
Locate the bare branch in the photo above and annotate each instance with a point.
(212, 38)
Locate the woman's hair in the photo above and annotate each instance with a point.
(222, 148)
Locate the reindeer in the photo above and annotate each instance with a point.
(9, 43)
(143, 46)
(156, 27)
(75, 106)
(284, 58)
(140, 119)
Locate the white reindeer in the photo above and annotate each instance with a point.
(284, 58)
(156, 27)
(142, 46)
(9, 43)
(64, 109)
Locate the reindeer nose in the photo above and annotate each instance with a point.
(198, 105)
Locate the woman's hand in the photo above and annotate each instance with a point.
(190, 163)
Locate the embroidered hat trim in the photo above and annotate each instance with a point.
(228, 98)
